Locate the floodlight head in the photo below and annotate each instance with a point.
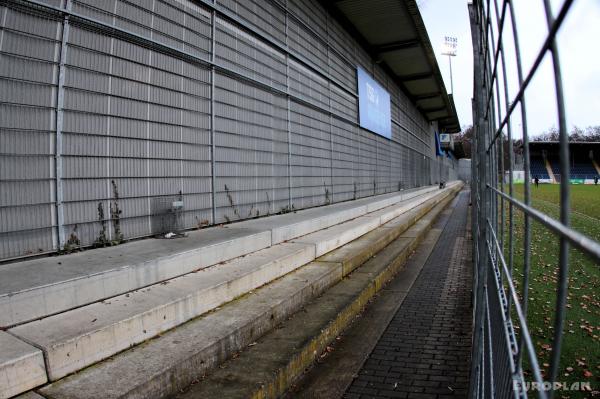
(449, 47)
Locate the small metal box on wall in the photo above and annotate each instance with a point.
(167, 216)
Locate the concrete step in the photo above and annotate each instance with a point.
(83, 336)
(355, 253)
(171, 361)
(29, 395)
(330, 377)
(21, 366)
(292, 225)
(279, 358)
(327, 240)
(78, 338)
(40, 287)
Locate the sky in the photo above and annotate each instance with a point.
(578, 47)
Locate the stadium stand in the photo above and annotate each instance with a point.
(583, 170)
(538, 168)
(582, 153)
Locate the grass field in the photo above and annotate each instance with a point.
(580, 359)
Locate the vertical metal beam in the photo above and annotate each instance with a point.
(527, 190)
(330, 153)
(329, 104)
(527, 232)
(477, 368)
(288, 111)
(3, 24)
(500, 21)
(565, 206)
(148, 101)
(108, 188)
(60, 102)
(213, 182)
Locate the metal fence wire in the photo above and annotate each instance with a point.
(502, 343)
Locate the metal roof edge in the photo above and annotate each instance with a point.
(452, 124)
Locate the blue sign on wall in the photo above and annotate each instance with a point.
(438, 146)
(373, 105)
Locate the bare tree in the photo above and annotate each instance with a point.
(589, 134)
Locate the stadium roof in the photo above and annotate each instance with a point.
(395, 35)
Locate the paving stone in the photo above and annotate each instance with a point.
(426, 347)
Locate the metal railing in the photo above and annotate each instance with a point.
(502, 343)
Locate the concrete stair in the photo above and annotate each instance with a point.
(83, 336)
(163, 366)
(41, 287)
(596, 166)
(98, 329)
(549, 169)
(21, 366)
(280, 358)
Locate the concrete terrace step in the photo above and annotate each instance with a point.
(83, 336)
(40, 287)
(21, 366)
(78, 338)
(164, 365)
(279, 358)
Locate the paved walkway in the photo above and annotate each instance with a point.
(424, 352)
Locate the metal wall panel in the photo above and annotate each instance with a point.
(363, 59)
(342, 71)
(345, 154)
(343, 104)
(367, 163)
(247, 55)
(28, 62)
(304, 43)
(311, 14)
(251, 151)
(182, 25)
(308, 85)
(137, 127)
(267, 17)
(310, 157)
(384, 166)
(137, 105)
(341, 42)
(396, 175)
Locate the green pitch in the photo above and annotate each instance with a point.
(580, 359)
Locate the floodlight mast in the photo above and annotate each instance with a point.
(449, 49)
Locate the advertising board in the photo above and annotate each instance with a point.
(373, 105)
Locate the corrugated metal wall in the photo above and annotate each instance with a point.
(108, 107)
